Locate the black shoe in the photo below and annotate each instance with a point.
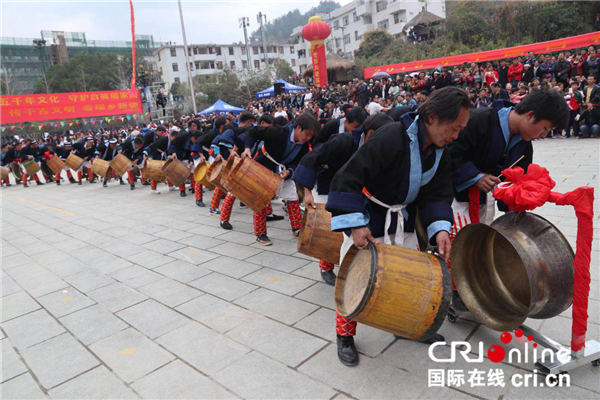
(58, 183)
(436, 337)
(273, 217)
(457, 302)
(145, 183)
(25, 185)
(200, 203)
(72, 180)
(182, 193)
(226, 225)
(93, 180)
(132, 186)
(104, 184)
(80, 183)
(346, 350)
(8, 185)
(329, 277)
(263, 240)
(192, 189)
(121, 182)
(39, 183)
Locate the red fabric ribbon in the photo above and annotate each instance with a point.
(474, 196)
(531, 190)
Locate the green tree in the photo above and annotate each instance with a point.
(373, 43)
(283, 69)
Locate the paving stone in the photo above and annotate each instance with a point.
(216, 313)
(182, 271)
(231, 267)
(92, 324)
(163, 246)
(67, 267)
(310, 271)
(43, 284)
(321, 294)
(32, 328)
(435, 393)
(35, 248)
(277, 306)
(222, 286)
(169, 292)
(276, 340)
(384, 380)
(276, 261)
(279, 246)
(98, 383)
(65, 301)
(51, 256)
(192, 255)
(58, 359)
(136, 276)
(257, 377)
(117, 296)
(138, 238)
(234, 250)
(201, 242)
(152, 318)
(16, 305)
(203, 348)
(27, 271)
(11, 362)
(124, 249)
(172, 234)
(208, 231)
(15, 260)
(239, 238)
(130, 354)
(89, 280)
(9, 286)
(22, 387)
(107, 264)
(178, 381)
(278, 281)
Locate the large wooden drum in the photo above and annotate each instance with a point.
(100, 167)
(175, 171)
(4, 172)
(253, 184)
(31, 167)
(152, 170)
(121, 164)
(55, 164)
(405, 292)
(74, 162)
(316, 239)
(201, 175)
(219, 171)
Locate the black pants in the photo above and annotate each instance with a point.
(573, 123)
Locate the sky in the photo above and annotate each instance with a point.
(205, 21)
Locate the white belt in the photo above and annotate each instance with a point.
(280, 167)
(397, 208)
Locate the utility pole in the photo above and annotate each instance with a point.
(187, 60)
(40, 44)
(259, 17)
(245, 22)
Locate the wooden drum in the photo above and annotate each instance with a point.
(4, 172)
(405, 292)
(152, 170)
(55, 164)
(201, 175)
(74, 162)
(31, 167)
(175, 171)
(253, 184)
(121, 164)
(316, 239)
(100, 167)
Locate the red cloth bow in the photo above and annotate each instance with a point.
(525, 191)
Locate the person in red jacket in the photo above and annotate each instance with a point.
(515, 71)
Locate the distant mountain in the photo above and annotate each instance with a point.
(279, 29)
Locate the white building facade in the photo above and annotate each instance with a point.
(350, 22)
(209, 59)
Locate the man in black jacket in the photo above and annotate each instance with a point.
(132, 149)
(497, 92)
(31, 152)
(563, 69)
(503, 73)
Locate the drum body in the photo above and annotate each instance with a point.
(316, 238)
(4, 171)
(152, 170)
(74, 162)
(519, 267)
(175, 171)
(55, 164)
(253, 184)
(121, 164)
(17, 171)
(201, 175)
(100, 168)
(402, 291)
(214, 173)
(31, 167)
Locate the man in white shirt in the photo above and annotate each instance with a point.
(375, 106)
(280, 112)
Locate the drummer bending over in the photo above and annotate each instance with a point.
(402, 166)
(494, 139)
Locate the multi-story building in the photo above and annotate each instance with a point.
(208, 59)
(24, 60)
(350, 22)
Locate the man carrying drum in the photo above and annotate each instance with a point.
(85, 149)
(402, 167)
(132, 149)
(318, 167)
(496, 138)
(31, 152)
(63, 152)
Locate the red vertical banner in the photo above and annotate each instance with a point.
(132, 45)
(319, 65)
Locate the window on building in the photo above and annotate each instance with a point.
(356, 36)
(177, 80)
(189, 51)
(219, 64)
(347, 39)
(280, 49)
(218, 51)
(338, 42)
(231, 51)
(197, 64)
(383, 24)
(293, 62)
(173, 52)
(195, 51)
(175, 67)
(381, 5)
(336, 24)
(211, 50)
(191, 66)
(255, 50)
(346, 20)
(396, 18)
(256, 64)
(158, 57)
(232, 64)
(202, 50)
(291, 49)
(244, 64)
(354, 17)
(243, 50)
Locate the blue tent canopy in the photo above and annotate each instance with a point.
(220, 107)
(287, 87)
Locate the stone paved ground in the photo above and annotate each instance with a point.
(108, 293)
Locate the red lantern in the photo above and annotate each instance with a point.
(316, 31)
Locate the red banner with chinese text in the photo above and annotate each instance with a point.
(52, 106)
(319, 63)
(572, 42)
